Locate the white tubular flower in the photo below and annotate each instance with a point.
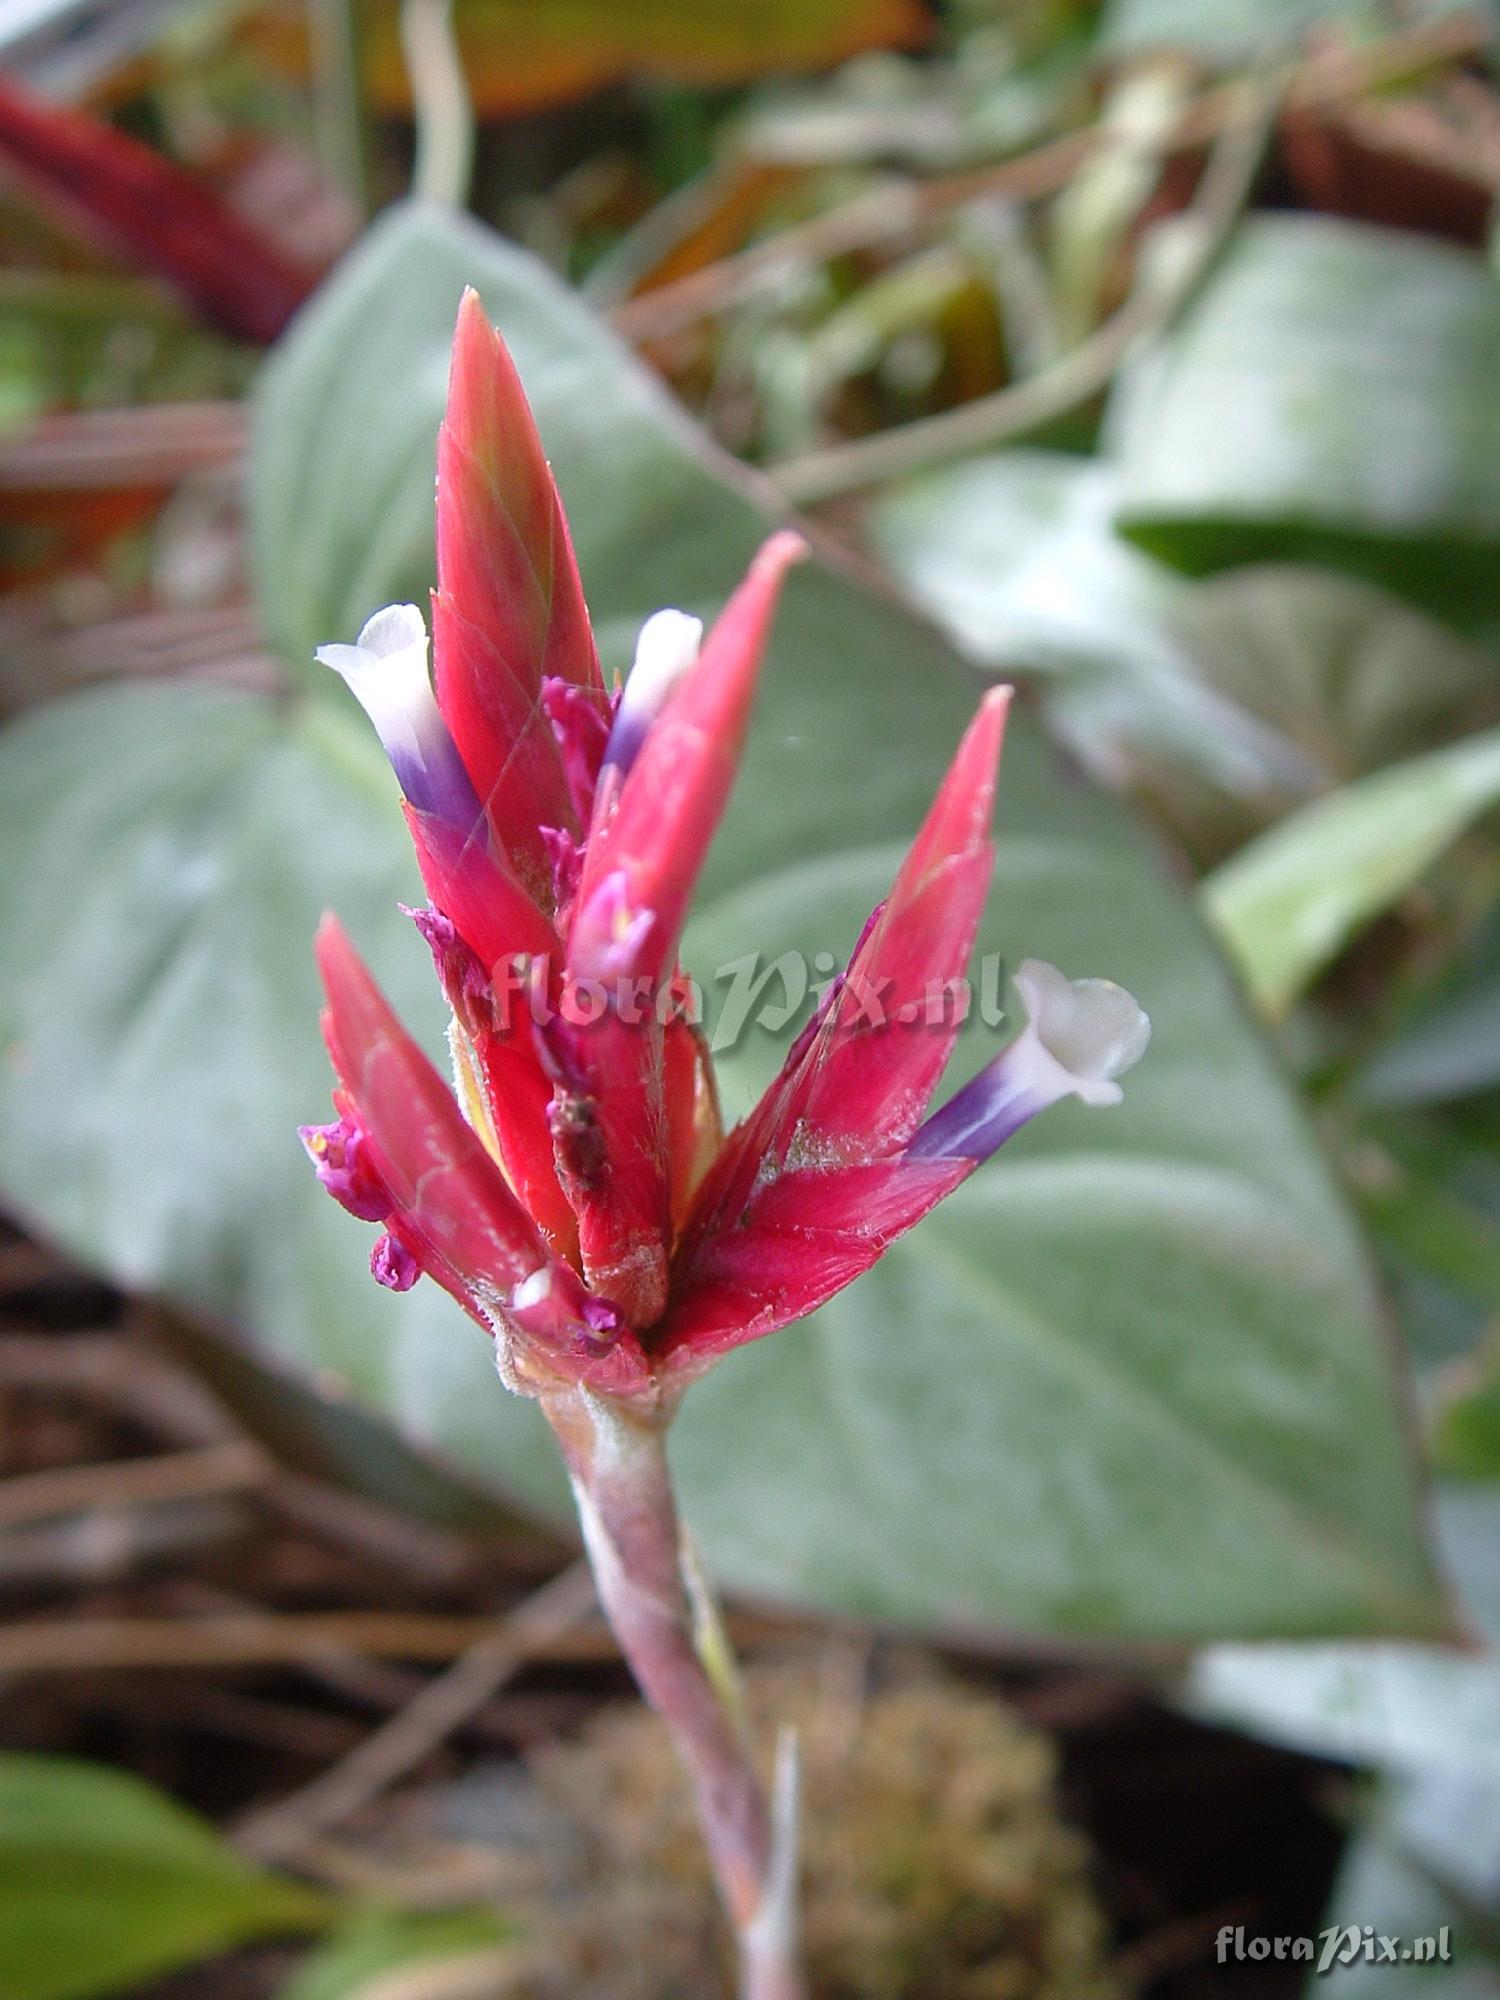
(1080, 1036)
(386, 670)
(666, 649)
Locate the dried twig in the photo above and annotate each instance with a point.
(368, 1529)
(127, 1373)
(134, 646)
(1180, 1943)
(206, 1709)
(134, 1482)
(107, 1545)
(1323, 78)
(266, 1638)
(280, 1831)
(1080, 374)
(250, 1638)
(154, 445)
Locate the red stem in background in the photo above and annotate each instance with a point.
(148, 209)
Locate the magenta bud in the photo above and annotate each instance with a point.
(393, 1265)
(340, 1160)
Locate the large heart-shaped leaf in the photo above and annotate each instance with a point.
(1330, 393)
(1229, 700)
(1410, 1708)
(1131, 1381)
(1017, 556)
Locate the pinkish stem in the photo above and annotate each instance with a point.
(618, 1464)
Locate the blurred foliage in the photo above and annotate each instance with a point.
(381, 1952)
(104, 1882)
(81, 341)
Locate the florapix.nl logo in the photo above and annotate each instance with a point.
(1339, 1944)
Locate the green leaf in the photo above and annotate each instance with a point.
(1430, 1193)
(1409, 1708)
(105, 1883)
(1448, 1044)
(358, 1962)
(74, 338)
(1425, 1865)
(1287, 903)
(1345, 675)
(1131, 1381)
(1449, 1050)
(1466, 1426)
(1228, 702)
(1329, 395)
(1017, 557)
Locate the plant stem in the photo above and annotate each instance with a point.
(656, 1602)
(440, 101)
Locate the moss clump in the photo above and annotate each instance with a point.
(934, 1863)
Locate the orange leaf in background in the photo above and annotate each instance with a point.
(522, 54)
(731, 203)
(44, 535)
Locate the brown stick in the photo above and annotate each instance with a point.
(83, 450)
(268, 1638)
(281, 1831)
(1077, 376)
(133, 1482)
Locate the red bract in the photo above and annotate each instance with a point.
(578, 1197)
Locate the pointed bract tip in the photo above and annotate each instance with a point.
(960, 815)
(354, 999)
(778, 552)
(985, 736)
(473, 322)
(330, 937)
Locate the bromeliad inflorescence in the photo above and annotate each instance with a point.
(578, 1195)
